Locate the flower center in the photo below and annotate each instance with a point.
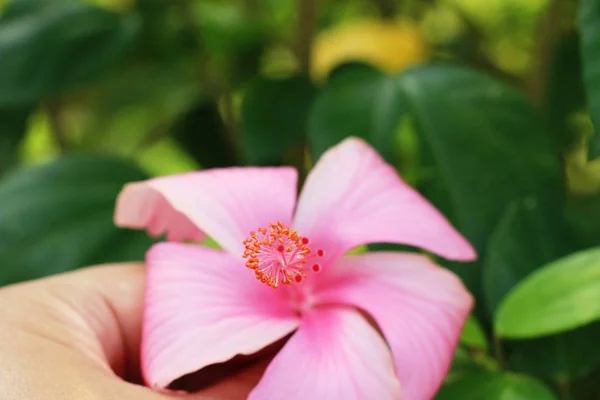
(277, 254)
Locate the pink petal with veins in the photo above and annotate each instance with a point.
(204, 307)
(419, 306)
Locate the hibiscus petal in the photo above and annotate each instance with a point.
(203, 306)
(352, 197)
(334, 355)
(419, 306)
(225, 203)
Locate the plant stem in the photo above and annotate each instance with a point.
(564, 388)
(548, 36)
(228, 111)
(209, 78)
(307, 25)
(477, 59)
(499, 353)
(56, 124)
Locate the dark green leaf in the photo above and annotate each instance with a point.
(234, 42)
(565, 91)
(13, 126)
(358, 101)
(274, 114)
(466, 120)
(47, 47)
(583, 218)
(58, 216)
(483, 147)
(202, 133)
(569, 354)
(160, 34)
(589, 25)
(487, 146)
(529, 235)
(558, 297)
(463, 364)
(482, 144)
(495, 386)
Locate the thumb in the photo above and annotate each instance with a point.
(77, 335)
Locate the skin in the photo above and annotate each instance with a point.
(77, 336)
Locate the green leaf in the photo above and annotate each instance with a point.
(495, 386)
(472, 334)
(558, 297)
(48, 47)
(529, 235)
(233, 39)
(589, 25)
(482, 144)
(569, 354)
(462, 364)
(468, 120)
(583, 218)
(358, 101)
(465, 120)
(13, 126)
(58, 216)
(203, 134)
(274, 114)
(565, 93)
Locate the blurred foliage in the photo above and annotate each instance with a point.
(489, 108)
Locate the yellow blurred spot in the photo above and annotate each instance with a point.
(390, 46)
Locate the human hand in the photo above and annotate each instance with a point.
(76, 336)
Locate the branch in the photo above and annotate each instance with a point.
(215, 84)
(307, 25)
(479, 60)
(564, 389)
(547, 40)
(499, 353)
(56, 124)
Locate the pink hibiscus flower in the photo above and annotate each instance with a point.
(283, 271)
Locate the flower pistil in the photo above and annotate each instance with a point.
(278, 254)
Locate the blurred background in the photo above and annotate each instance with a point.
(481, 105)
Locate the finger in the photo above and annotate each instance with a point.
(96, 311)
(65, 335)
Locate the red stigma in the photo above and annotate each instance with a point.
(320, 253)
(316, 267)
